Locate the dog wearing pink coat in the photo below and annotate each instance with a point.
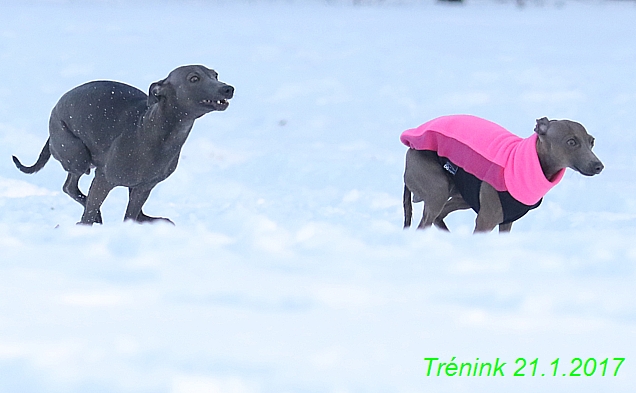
(463, 161)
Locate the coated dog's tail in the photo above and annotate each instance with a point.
(45, 154)
(408, 207)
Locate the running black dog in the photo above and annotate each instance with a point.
(131, 139)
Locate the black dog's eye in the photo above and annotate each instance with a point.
(194, 78)
(572, 142)
(591, 142)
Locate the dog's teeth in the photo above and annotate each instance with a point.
(217, 102)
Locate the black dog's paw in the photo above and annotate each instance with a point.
(142, 218)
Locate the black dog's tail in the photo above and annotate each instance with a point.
(45, 154)
(408, 207)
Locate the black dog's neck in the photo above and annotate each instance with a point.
(175, 124)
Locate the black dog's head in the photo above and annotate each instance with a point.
(194, 89)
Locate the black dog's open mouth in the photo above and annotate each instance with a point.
(217, 105)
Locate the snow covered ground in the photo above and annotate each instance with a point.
(288, 270)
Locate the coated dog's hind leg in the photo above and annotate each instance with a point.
(136, 199)
(432, 209)
(100, 188)
(436, 197)
(455, 202)
(428, 181)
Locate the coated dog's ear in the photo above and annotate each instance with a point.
(156, 91)
(542, 126)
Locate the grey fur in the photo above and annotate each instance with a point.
(130, 138)
(561, 144)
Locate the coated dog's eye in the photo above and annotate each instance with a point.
(194, 78)
(591, 142)
(572, 142)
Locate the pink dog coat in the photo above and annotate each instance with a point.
(488, 151)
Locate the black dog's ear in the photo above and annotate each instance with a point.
(156, 91)
(542, 126)
(213, 73)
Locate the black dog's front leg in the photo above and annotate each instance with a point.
(144, 218)
(136, 199)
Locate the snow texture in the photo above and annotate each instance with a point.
(288, 269)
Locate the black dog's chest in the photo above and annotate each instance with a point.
(139, 167)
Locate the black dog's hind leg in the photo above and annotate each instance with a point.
(71, 188)
(136, 199)
(100, 188)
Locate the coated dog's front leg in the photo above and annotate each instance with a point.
(490, 210)
(98, 191)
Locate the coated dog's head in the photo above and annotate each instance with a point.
(194, 89)
(568, 145)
